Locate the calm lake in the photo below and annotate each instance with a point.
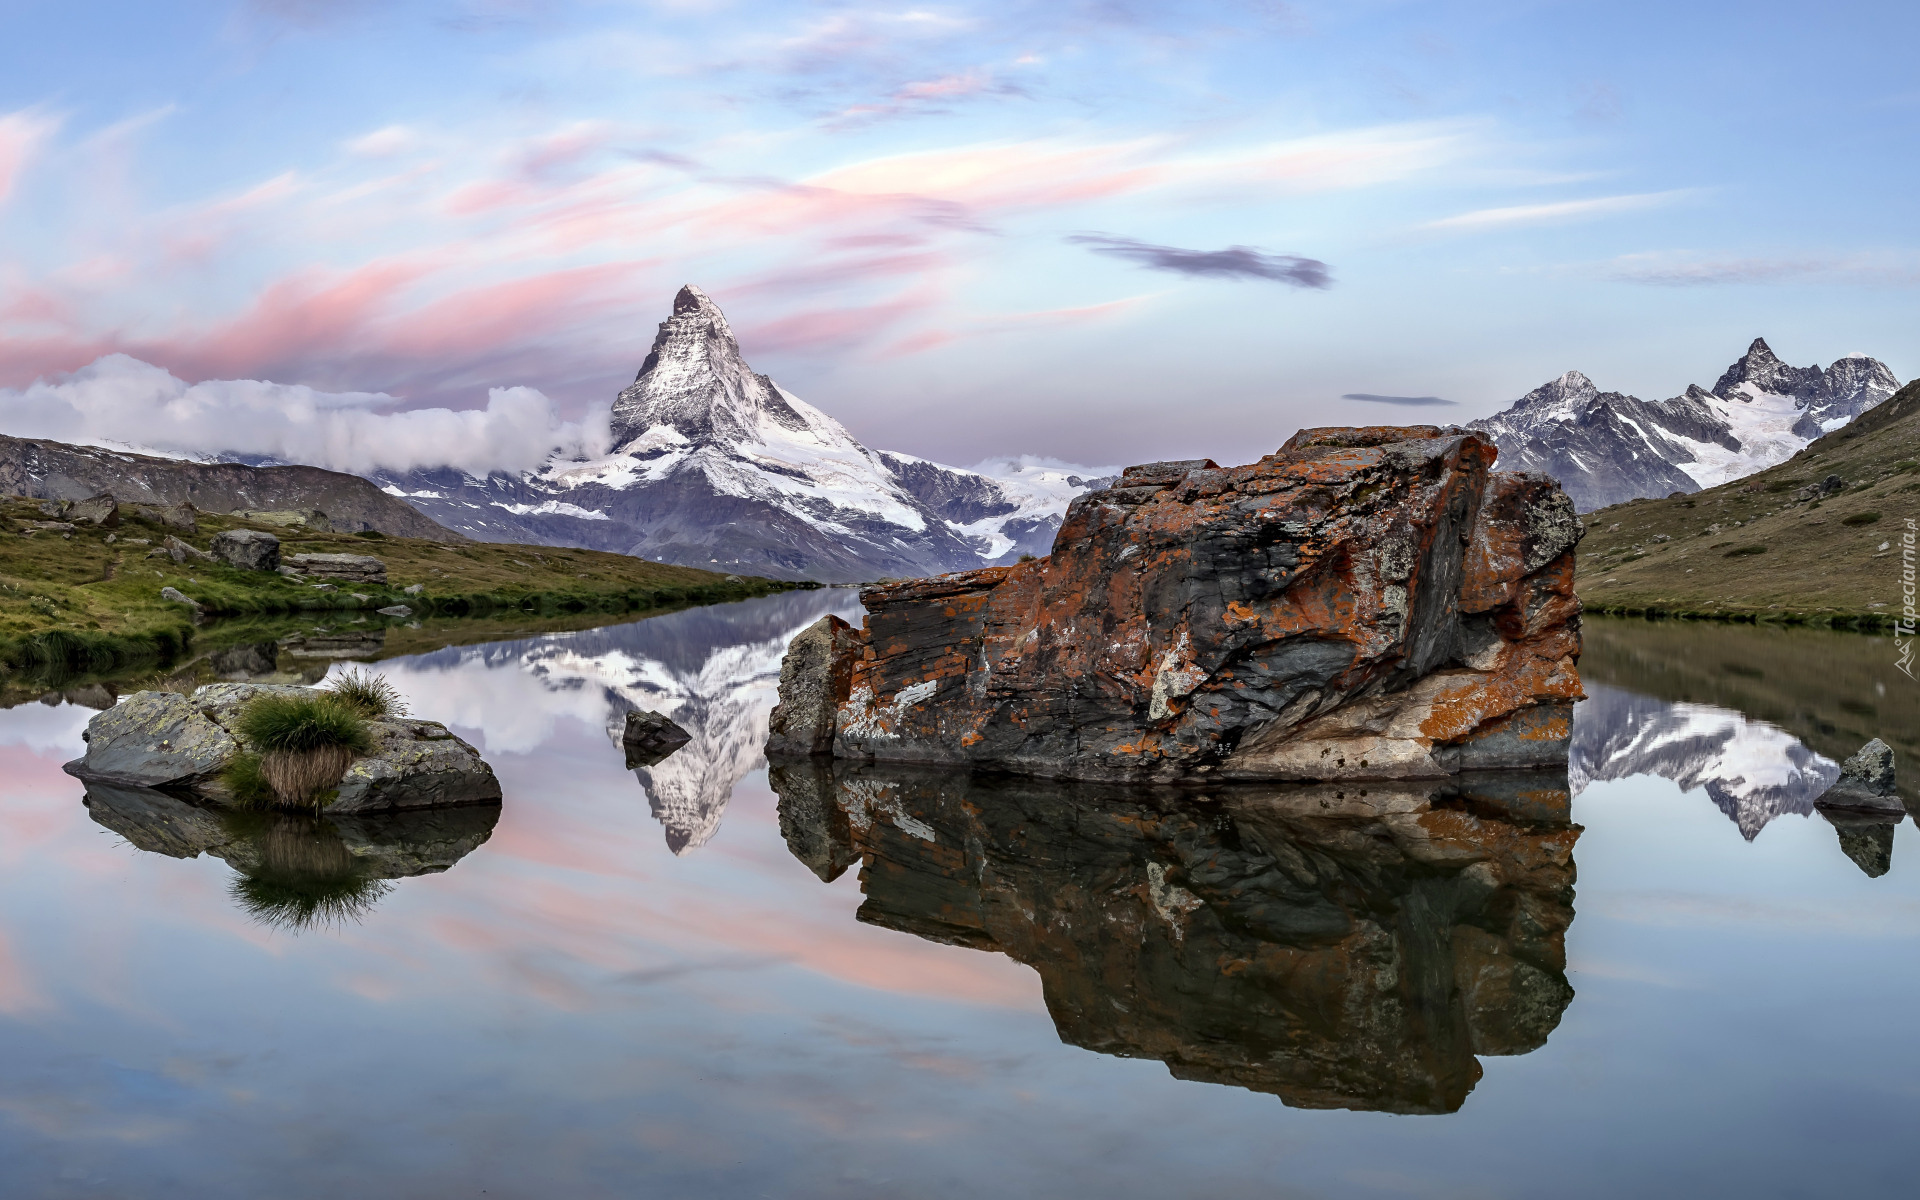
(666, 982)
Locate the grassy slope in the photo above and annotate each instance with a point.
(101, 602)
(1751, 550)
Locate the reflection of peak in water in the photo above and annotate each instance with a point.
(296, 871)
(1338, 947)
(1751, 770)
(713, 671)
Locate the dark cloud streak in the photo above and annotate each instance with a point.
(1235, 262)
(1402, 401)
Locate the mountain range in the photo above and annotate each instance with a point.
(713, 465)
(1606, 447)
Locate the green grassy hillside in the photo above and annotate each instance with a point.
(86, 601)
(1770, 547)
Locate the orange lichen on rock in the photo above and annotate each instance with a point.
(1373, 602)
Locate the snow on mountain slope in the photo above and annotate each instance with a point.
(713, 465)
(1752, 771)
(1607, 447)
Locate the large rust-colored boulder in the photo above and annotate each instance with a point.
(1363, 603)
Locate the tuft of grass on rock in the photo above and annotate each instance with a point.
(295, 723)
(368, 693)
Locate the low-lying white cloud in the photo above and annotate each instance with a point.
(119, 400)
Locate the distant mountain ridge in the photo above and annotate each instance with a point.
(45, 470)
(716, 466)
(1607, 447)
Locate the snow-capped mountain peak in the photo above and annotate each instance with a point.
(715, 465)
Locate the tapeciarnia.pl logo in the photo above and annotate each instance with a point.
(1904, 624)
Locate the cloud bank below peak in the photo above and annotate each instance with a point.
(120, 401)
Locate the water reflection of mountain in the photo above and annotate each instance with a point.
(296, 871)
(1335, 946)
(1751, 770)
(1831, 691)
(715, 671)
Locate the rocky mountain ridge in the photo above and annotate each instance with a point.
(1607, 447)
(43, 470)
(714, 465)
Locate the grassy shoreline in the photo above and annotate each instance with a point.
(90, 599)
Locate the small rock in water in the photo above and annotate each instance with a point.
(650, 737)
(1866, 782)
(395, 610)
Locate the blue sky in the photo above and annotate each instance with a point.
(960, 227)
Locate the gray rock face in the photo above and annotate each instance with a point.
(1865, 837)
(1866, 782)
(813, 676)
(248, 549)
(154, 739)
(163, 739)
(649, 738)
(347, 568)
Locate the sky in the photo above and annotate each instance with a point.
(1103, 232)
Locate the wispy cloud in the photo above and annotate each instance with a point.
(21, 133)
(1563, 210)
(1235, 262)
(1402, 401)
(1688, 269)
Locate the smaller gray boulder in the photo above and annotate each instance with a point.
(395, 610)
(1866, 782)
(181, 552)
(248, 549)
(815, 677)
(649, 737)
(179, 597)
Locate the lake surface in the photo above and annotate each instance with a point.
(1683, 980)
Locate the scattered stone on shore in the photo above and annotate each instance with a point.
(166, 740)
(413, 589)
(174, 516)
(1866, 782)
(179, 597)
(52, 526)
(180, 552)
(650, 737)
(345, 568)
(1363, 604)
(100, 510)
(248, 549)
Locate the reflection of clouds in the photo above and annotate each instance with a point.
(46, 729)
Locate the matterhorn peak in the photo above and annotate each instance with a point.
(694, 387)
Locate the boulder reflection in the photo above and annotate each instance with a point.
(294, 871)
(1339, 947)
